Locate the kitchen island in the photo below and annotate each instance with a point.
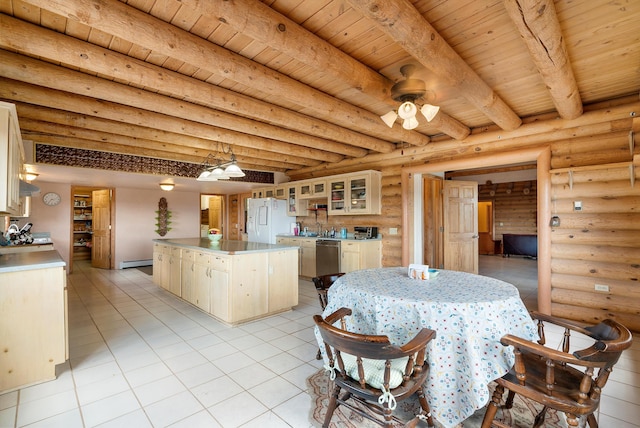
(233, 281)
(33, 318)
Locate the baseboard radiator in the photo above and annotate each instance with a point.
(136, 263)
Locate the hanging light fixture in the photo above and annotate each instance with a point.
(408, 92)
(220, 165)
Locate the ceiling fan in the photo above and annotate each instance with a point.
(407, 92)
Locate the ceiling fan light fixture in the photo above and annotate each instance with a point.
(429, 111)
(407, 110)
(410, 123)
(390, 118)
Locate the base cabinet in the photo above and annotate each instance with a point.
(306, 254)
(232, 288)
(33, 326)
(356, 255)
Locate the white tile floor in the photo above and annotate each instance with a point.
(139, 357)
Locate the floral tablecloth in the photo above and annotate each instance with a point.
(470, 314)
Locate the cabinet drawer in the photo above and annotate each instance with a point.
(203, 258)
(188, 255)
(220, 263)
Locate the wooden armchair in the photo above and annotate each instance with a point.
(372, 371)
(322, 284)
(557, 379)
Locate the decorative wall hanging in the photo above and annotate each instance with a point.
(162, 218)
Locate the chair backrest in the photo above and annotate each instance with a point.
(322, 283)
(345, 348)
(610, 340)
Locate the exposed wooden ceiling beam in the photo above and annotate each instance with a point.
(116, 18)
(401, 21)
(537, 22)
(18, 91)
(66, 124)
(260, 22)
(15, 34)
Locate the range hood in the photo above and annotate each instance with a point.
(28, 189)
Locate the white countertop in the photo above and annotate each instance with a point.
(337, 238)
(15, 262)
(224, 246)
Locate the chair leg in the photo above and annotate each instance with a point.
(426, 410)
(388, 419)
(318, 355)
(509, 403)
(591, 420)
(572, 420)
(492, 407)
(333, 403)
(539, 421)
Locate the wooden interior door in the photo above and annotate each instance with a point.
(237, 215)
(461, 225)
(101, 242)
(433, 248)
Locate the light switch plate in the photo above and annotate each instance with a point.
(577, 205)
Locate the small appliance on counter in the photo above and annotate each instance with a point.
(365, 232)
(17, 236)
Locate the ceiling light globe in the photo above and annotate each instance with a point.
(390, 118)
(219, 174)
(233, 170)
(429, 111)
(407, 110)
(410, 123)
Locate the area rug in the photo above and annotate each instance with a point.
(520, 415)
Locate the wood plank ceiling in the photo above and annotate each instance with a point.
(294, 85)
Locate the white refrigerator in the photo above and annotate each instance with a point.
(266, 218)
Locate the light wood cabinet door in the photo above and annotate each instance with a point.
(249, 286)
(350, 257)
(219, 304)
(175, 266)
(355, 194)
(308, 257)
(187, 276)
(11, 160)
(282, 295)
(33, 326)
(202, 281)
(312, 189)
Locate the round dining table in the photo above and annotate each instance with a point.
(470, 313)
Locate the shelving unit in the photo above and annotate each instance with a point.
(82, 226)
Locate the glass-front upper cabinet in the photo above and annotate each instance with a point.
(312, 189)
(295, 206)
(281, 192)
(354, 194)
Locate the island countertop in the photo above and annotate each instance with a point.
(224, 246)
(15, 262)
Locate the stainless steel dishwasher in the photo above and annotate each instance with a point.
(327, 256)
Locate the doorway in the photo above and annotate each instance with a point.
(92, 226)
(212, 209)
(412, 212)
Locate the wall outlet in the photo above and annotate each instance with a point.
(602, 287)
(577, 205)
(393, 231)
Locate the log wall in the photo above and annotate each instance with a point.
(592, 161)
(515, 207)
